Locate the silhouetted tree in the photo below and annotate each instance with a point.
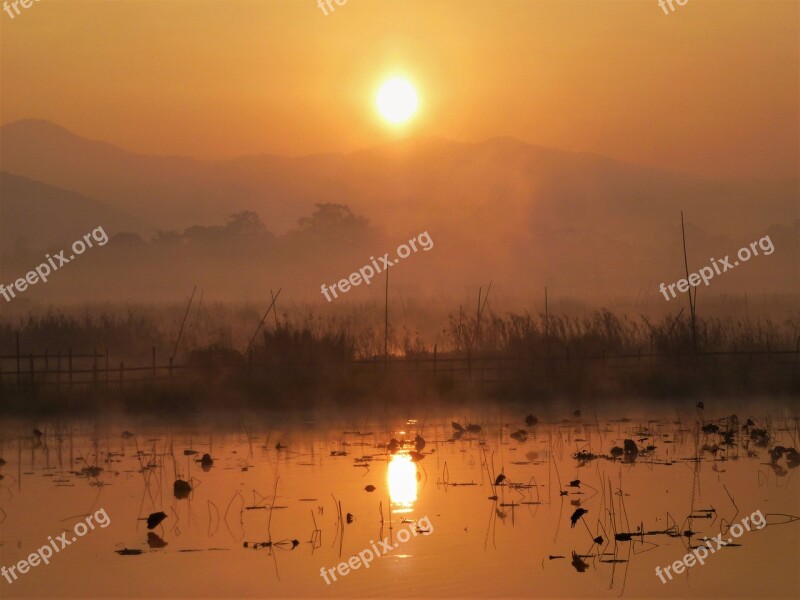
(334, 219)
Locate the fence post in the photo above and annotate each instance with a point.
(19, 370)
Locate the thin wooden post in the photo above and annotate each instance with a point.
(180, 333)
(478, 322)
(275, 314)
(19, 369)
(386, 323)
(546, 323)
(691, 303)
(266, 314)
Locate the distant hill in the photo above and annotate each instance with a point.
(36, 215)
(423, 177)
(519, 214)
(169, 191)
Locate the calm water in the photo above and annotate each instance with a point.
(521, 544)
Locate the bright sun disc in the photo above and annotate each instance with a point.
(397, 100)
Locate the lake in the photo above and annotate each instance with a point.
(288, 498)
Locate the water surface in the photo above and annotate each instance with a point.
(273, 482)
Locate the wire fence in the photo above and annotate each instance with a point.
(69, 369)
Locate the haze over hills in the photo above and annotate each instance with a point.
(592, 224)
(35, 215)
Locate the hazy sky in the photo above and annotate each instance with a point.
(712, 88)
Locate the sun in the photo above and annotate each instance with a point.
(397, 100)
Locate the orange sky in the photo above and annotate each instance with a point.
(712, 88)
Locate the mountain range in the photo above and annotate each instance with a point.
(501, 209)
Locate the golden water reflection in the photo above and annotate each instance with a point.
(402, 483)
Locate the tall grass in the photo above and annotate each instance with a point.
(303, 332)
(603, 331)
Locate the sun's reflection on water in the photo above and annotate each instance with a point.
(402, 483)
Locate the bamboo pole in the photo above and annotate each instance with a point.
(19, 369)
(386, 323)
(691, 303)
(266, 314)
(275, 312)
(180, 333)
(477, 340)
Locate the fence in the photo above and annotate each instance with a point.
(69, 369)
